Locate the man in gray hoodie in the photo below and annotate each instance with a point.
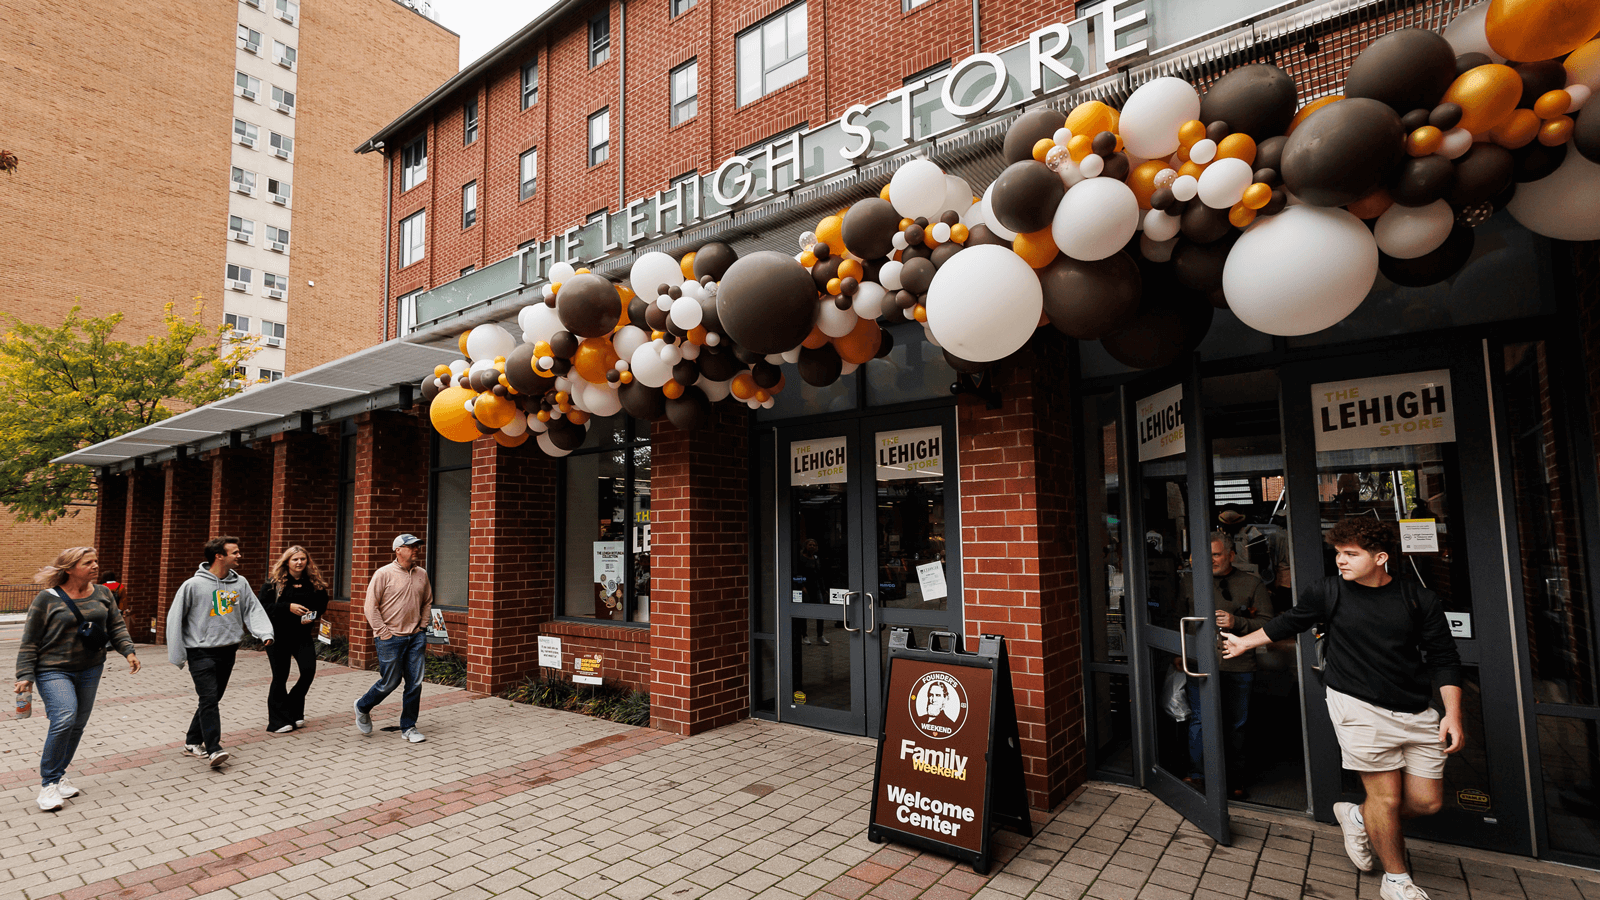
(204, 627)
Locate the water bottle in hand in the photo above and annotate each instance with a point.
(25, 704)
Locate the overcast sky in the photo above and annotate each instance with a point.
(483, 24)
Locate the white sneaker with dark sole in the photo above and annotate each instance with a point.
(66, 789)
(413, 735)
(284, 730)
(195, 750)
(218, 758)
(1356, 843)
(363, 720)
(49, 798)
(1404, 890)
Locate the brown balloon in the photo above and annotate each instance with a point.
(767, 302)
(1434, 267)
(588, 306)
(820, 367)
(1025, 196)
(917, 275)
(1586, 133)
(964, 366)
(943, 252)
(714, 259)
(1481, 173)
(983, 234)
(642, 402)
(689, 411)
(1170, 324)
(1030, 128)
(1536, 161)
(1342, 151)
(1258, 100)
(1202, 224)
(429, 388)
(718, 364)
(1422, 180)
(1199, 266)
(1538, 79)
(869, 227)
(1406, 69)
(566, 435)
(519, 371)
(1089, 300)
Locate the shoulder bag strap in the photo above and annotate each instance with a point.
(62, 593)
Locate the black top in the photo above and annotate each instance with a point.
(285, 623)
(1380, 649)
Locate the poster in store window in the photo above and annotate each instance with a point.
(1414, 408)
(608, 565)
(817, 462)
(912, 453)
(1158, 420)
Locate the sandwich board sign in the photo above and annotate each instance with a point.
(949, 768)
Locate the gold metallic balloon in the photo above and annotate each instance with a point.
(1486, 95)
(1533, 30)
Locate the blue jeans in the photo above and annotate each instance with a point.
(1235, 713)
(399, 657)
(68, 699)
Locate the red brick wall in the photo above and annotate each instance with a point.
(700, 579)
(241, 507)
(141, 552)
(625, 651)
(305, 496)
(109, 521)
(392, 452)
(1019, 560)
(185, 527)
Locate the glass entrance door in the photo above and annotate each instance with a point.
(867, 541)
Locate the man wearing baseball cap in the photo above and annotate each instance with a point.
(399, 601)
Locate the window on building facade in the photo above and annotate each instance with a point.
(239, 325)
(449, 521)
(282, 100)
(406, 313)
(414, 163)
(413, 237)
(282, 145)
(238, 376)
(284, 55)
(530, 84)
(277, 239)
(243, 181)
(927, 73)
(270, 375)
(772, 54)
(469, 204)
(605, 570)
(528, 165)
(679, 7)
(241, 229)
(276, 287)
(249, 39)
(600, 137)
(245, 134)
(246, 86)
(599, 39)
(467, 271)
(469, 122)
(685, 91)
(286, 10)
(272, 333)
(278, 191)
(239, 278)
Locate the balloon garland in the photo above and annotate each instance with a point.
(1127, 226)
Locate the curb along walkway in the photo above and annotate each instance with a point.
(505, 800)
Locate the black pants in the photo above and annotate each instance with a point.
(288, 706)
(210, 667)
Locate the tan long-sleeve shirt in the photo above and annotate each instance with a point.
(398, 601)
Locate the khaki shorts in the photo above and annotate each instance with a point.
(1374, 739)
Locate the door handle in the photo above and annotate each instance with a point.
(846, 611)
(1183, 644)
(872, 613)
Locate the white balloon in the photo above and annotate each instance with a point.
(1158, 226)
(1062, 136)
(628, 340)
(918, 189)
(984, 303)
(848, 367)
(562, 272)
(525, 320)
(648, 368)
(999, 230)
(1300, 271)
(549, 446)
(1580, 94)
(957, 193)
(459, 366)
(1185, 187)
(1095, 219)
(1465, 33)
(1565, 204)
(868, 302)
(1154, 113)
(715, 391)
(941, 233)
(889, 275)
(652, 270)
(791, 356)
(488, 341)
(1070, 173)
(671, 354)
(775, 358)
(480, 366)
(1203, 151)
(1455, 143)
(691, 350)
(536, 426)
(1092, 166)
(928, 332)
(686, 313)
(1407, 232)
(835, 322)
(542, 323)
(1223, 182)
(898, 241)
(602, 400)
(972, 217)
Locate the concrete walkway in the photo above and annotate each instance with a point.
(511, 801)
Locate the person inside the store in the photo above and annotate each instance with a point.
(1243, 605)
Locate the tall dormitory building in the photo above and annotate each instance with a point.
(172, 149)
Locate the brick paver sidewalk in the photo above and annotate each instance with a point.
(513, 801)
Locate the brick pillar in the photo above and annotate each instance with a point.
(1019, 557)
(700, 578)
(511, 568)
(305, 497)
(391, 498)
(110, 519)
(185, 520)
(141, 552)
(241, 506)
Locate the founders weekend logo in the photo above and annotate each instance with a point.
(938, 705)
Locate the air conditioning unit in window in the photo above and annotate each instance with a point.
(248, 94)
(245, 140)
(242, 287)
(242, 237)
(240, 187)
(279, 246)
(285, 62)
(254, 3)
(275, 294)
(280, 153)
(281, 199)
(285, 15)
(283, 107)
(274, 341)
(253, 49)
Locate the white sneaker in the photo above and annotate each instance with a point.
(196, 750)
(299, 723)
(66, 789)
(363, 720)
(284, 730)
(218, 758)
(805, 638)
(413, 735)
(1402, 890)
(1356, 843)
(49, 798)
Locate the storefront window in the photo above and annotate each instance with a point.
(606, 530)
(1105, 613)
(449, 522)
(914, 369)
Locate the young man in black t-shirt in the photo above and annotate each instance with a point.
(1386, 649)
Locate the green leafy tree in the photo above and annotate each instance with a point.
(69, 386)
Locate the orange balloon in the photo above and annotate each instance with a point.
(1257, 195)
(462, 343)
(816, 339)
(577, 417)
(627, 378)
(1077, 148)
(594, 359)
(441, 370)
(449, 415)
(1036, 248)
(1552, 104)
(1042, 148)
(493, 410)
(959, 233)
(830, 231)
(1486, 95)
(851, 268)
(1424, 141)
(1310, 108)
(1372, 205)
(1237, 146)
(1241, 215)
(1191, 132)
(697, 334)
(834, 286)
(1190, 168)
(808, 259)
(1555, 132)
(686, 265)
(920, 313)
(743, 385)
(1091, 118)
(762, 396)
(884, 194)
(1533, 30)
(506, 440)
(1143, 180)
(861, 344)
(1517, 130)
(672, 390)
